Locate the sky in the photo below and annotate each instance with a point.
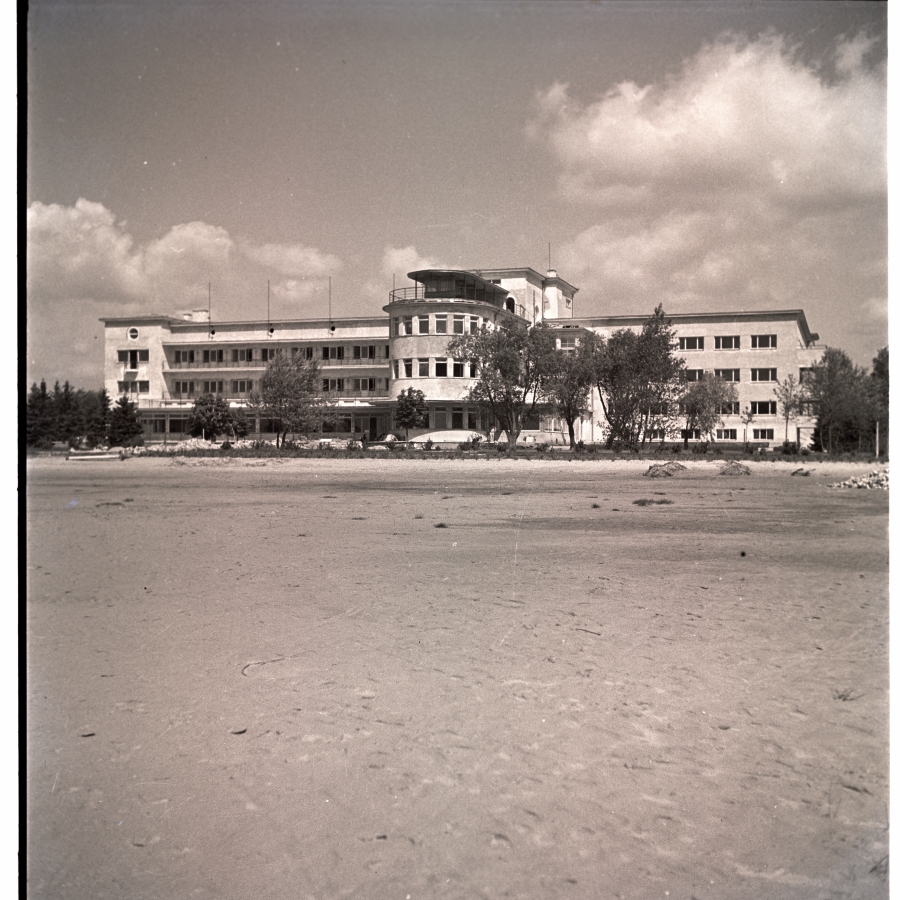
(706, 156)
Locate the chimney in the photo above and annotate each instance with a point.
(551, 273)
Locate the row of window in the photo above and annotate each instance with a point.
(435, 324)
(442, 368)
(134, 387)
(730, 342)
(243, 386)
(267, 354)
(733, 375)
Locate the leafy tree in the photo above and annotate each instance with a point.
(513, 368)
(837, 389)
(880, 394)
(791, 397)
(412, 410)
(568, 384)
(290, 393)
(124, 425)
(701, 404)
(212, 416)
(638, 377)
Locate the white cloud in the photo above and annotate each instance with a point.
(749, 179)
(740, 117)
(294, 260)
(79, 252)
(402, 260)
(82, 263)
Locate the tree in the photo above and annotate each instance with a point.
(791, 397)
(513, 367)
(38, 416)
(880, 394)
(838, 391)
(124, 424)
(290, 392)
(568, 384)
(212, 416)
(412, 410)
(96, 410)
(638, 378)
(702, 402)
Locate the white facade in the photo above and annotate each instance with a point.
(163, 363)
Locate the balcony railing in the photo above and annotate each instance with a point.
(258, 364)
(420, 293)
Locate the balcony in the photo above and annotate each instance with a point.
(440, 287)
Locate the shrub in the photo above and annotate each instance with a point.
(429, 444)
(789, 448)
(225, 445)
(676, 448)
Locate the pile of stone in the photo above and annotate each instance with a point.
(664, 470)
(875, 480)
(734, 468)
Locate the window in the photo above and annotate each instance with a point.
(763, 434)
(655, 434)
(731, 408)
(363, 384)
(456, 417)
(806, 375)
(407, 368)
(568, 344)
(387, 351)
(213, 387)
(764, 374)
(473, 324)
(184, 356)
(332, 384)
(178, 425)
(406, 325)
(215, 356)
(726, 434)
(472, 416)
(396, 368)
(184, 388)
(440, 418)
(131, 358)
(568, 302)
(423, 324)
(440, 324)
(763, 341)
(395, 327)
(728, 374)
(423, 368)
(330, 353)
(728, 342)
(242, 355)
(458, 372)
(134, 387)
(690, 434)
(690, 343)
(459, 324)
(133, 334)
(762, 407)
(440, 368)
(241, 386)
(693, 374)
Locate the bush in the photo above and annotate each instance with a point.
(804, 451)
(464, 445)
(225, 445)
(702, 447)
(429, 444)
(789, 448)
(579, 447)
(676, 448)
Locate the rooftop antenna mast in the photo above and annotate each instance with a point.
(331, 321)
(210, 330)
(268, 309)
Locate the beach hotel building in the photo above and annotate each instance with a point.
(164, 363)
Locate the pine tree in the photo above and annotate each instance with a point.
(124, 425)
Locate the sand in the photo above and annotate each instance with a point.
(287, 680)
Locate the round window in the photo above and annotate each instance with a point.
(133, 334)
